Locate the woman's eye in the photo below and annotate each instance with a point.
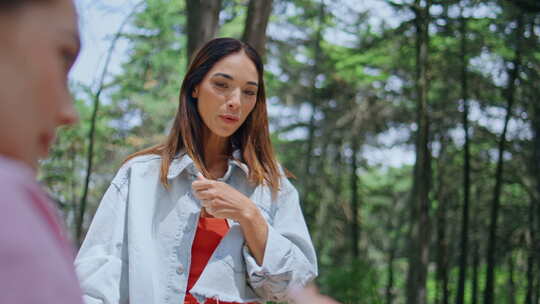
(220, 85)
(250, 93)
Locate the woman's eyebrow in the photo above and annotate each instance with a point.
(232, 78)
(223, 75)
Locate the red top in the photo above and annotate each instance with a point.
(209, 233)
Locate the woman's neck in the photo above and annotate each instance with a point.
(216, 152)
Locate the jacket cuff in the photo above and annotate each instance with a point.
(275, 266)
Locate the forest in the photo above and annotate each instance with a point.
(412, 128)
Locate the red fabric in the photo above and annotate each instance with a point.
(209, 233)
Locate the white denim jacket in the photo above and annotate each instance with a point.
(138, 247)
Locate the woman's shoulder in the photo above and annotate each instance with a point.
(138, 164)
(141, 160)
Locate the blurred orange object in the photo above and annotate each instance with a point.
(310, 295)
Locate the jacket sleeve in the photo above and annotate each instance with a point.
(289, 257)
(102, 261)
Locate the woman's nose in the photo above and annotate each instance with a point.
(234, 100)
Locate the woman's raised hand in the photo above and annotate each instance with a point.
(221, 200)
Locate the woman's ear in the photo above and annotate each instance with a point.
(195, 92)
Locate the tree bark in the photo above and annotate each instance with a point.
(533, 260)
(91, 133)
(537, 296)
(533, 268)
(393, 250)
(319, 233)
(489, 295)
(442, 239)
(313, 104)
(475, 267)
(202, 23)
(476, 249)
(355, 225)
(442, 263)
(531, 237)
(464, 242)
(256, 23)
(511, 280)
(390, 281)
(420, 233)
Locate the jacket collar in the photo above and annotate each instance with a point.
(184, 162)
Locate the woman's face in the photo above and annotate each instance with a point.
(227, 94)
(40, 43)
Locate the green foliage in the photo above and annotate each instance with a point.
(354, 284)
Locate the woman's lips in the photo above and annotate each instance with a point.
(231, 119)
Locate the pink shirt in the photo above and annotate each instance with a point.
(36, 259)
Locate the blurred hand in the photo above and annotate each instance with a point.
(310, 295)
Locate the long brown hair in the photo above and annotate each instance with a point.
(252, 138)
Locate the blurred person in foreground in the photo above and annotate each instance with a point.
(39, 42)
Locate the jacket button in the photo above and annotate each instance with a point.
(180, 269)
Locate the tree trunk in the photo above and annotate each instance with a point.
(464, 242)
(531, 237)
(202, 23)
(533, 261)
(476, 249)
(475, 266)
(420, 235)
(91, 133)
(319, 233)
(313, 104)
(537, 296)
(390, 280)
(489, 295)
(355, 225)
(442, 240)
(535, 201)
(393, 250)
(256, 22)
(511, 280)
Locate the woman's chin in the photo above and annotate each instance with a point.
(224, 133)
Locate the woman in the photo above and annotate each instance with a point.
(208, 216)
(39, 42)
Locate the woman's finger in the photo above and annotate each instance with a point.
(206, 204)
(205, 194)
(201, 184)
